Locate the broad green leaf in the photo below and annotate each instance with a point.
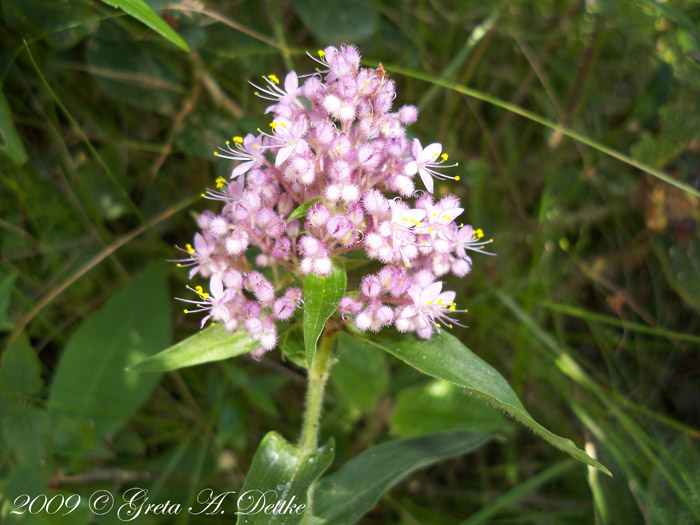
(31, 478)
(20, 374)
(346, 495)
(681, 126)
(10, 141)
(143, 76)
(444, 357)
(280, 473)
(336, 22)
(91, 381)
(439, 406)
(321, 298)
(361, 373)
(26, 432)
(211, 344)
(143, 13)
(681, 265)
(300, 212)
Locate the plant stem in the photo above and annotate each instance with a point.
(318, 375)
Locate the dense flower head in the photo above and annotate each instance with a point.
(333, 139)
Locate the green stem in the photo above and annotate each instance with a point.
(318, 375)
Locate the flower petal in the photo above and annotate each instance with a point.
(431, 152)
(411, 168)
(427, 180)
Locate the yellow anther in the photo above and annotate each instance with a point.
(283, 124)
(438, 325)
(457, 177)
(216, 154)
(256, 94)
(179, 265)
(238, 139)
(429, 303)
(199, 290)
(186, 311)
(406, 265)
(452, 308)
(444, 156)
(274, 78)
(321, 53)
(461, 224)
(220, 182)
(189, 248)
(273, 125)
(204, 295)
(478, 233)
(202, 195)
(439, 301)
(451, 326)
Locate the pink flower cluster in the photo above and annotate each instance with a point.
(334, 139)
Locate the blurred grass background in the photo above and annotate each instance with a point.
(590, 309)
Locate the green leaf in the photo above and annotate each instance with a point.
(361, 373)
(91, 381)
(681, 265)
(211, 344)
(287, 472)
(681, 126)
(300, 212)
(438, 406)
(20, 374)
(336, 21)
(346, 495)
(26, 432)
(444, 357)
(10, 142)
(142, 12)
(321, 298)
(143, 76)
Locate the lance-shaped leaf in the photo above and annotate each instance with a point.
(211, 344)
(346, 495)
(300, 212)
(321, 297)
(279, 480)
(141, 11)
(443, 356)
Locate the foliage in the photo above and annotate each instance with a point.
(576, 129)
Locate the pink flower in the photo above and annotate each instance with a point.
(467, 238)
(426, 160)
(248, 149)
(430, 304)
